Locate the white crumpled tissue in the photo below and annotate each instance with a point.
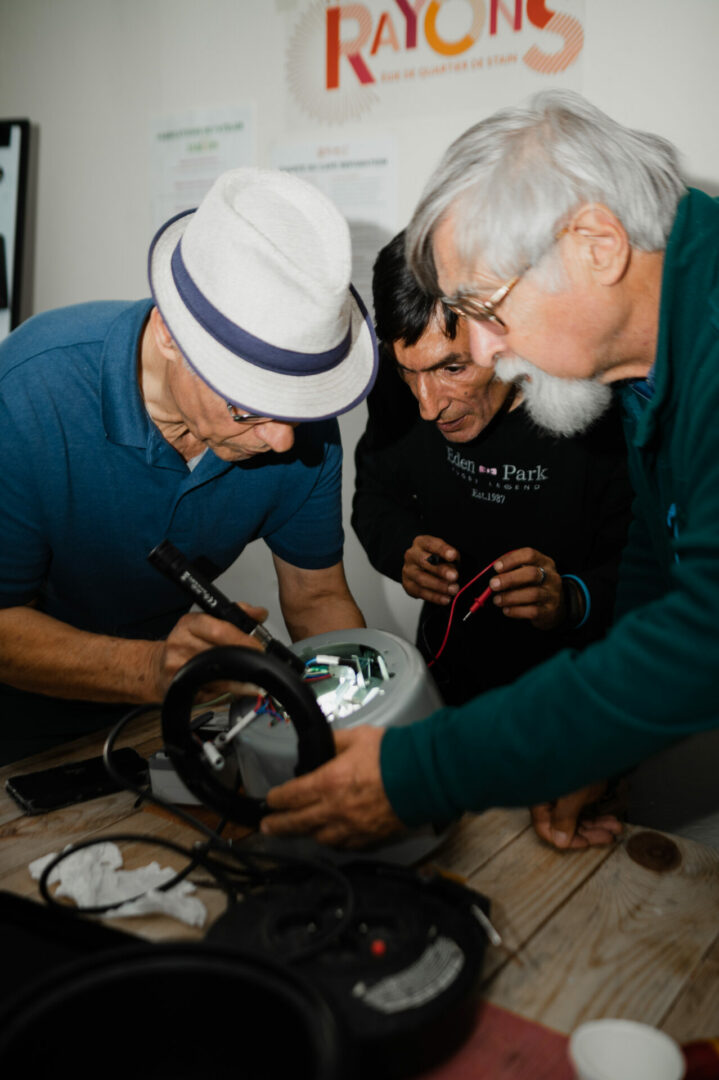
(91, 877)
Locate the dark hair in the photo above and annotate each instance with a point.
(402, 309)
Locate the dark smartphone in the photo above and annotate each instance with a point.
(78, 781)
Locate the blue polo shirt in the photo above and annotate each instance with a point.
(88, 485)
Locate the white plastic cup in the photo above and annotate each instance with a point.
(624, 1050)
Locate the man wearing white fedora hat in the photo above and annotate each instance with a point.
(206, 416)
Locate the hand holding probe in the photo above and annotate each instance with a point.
(174, 565)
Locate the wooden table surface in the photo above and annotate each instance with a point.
(587, 934)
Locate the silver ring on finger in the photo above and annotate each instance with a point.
(543, 573)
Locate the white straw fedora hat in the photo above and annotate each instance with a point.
(254, 288)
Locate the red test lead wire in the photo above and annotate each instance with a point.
(479, 602)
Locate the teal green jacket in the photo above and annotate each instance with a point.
(654, 678)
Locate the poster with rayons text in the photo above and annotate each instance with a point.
(380, 59)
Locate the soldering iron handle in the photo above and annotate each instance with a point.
(170, 561)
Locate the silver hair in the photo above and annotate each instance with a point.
(513, 180)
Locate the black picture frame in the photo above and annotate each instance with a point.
(14, 158)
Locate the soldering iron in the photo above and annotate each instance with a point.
(170, 561)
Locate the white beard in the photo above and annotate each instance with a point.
(560, 406)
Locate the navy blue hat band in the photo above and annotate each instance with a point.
(250, 348)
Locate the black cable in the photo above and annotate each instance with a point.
(146, 793)
(102, 909)
(195, 857)
(247, 863)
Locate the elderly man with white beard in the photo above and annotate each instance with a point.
(572, 242)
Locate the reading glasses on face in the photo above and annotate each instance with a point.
(466, 304)
(245, 417)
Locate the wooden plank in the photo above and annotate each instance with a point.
(158, 927)
(695, 1013)
(526, 881)
(135, 854)
(479, 837)
(625, 944)
(30, 836)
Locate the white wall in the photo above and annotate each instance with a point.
(89, 74)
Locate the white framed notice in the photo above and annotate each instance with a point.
(191, 149)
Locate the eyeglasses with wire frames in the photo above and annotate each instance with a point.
(466, 304)
(469, 306)
(245, 417)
